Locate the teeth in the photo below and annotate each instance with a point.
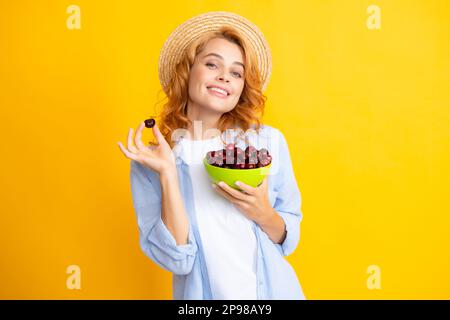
(218, 90)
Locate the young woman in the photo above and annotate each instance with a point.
(219, 242)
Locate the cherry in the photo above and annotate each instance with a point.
(233, 157)
(239, 155)
(219, 157)
(149, 123)
(230, 146)
(210, 158)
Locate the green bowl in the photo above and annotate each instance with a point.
(252, 177)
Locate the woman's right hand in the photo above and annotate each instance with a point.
(159, 158)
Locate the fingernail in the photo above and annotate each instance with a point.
(238, 183)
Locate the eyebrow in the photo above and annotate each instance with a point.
(220, 57)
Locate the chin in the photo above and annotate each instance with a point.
(220, 109)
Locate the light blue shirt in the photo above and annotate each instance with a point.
(276, 279)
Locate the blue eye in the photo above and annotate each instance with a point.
(210, 64)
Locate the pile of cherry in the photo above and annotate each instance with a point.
(233, 157)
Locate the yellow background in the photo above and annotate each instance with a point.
(366, 114)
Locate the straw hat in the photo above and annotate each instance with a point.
(195, 27)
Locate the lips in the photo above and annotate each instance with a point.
(218, 87)
(217, 94)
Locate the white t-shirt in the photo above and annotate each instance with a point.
(228, 239)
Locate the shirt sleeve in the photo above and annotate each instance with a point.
(288, 200)
(156, 241)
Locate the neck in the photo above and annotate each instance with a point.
(204, 123)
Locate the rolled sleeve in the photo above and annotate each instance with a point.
(162, 239)
(288, 201)
(155, 239)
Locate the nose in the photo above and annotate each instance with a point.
(223, 78)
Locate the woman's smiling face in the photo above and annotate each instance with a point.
(221, 65)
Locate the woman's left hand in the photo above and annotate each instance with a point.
(252, 202)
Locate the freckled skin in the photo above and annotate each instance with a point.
(210, 71)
